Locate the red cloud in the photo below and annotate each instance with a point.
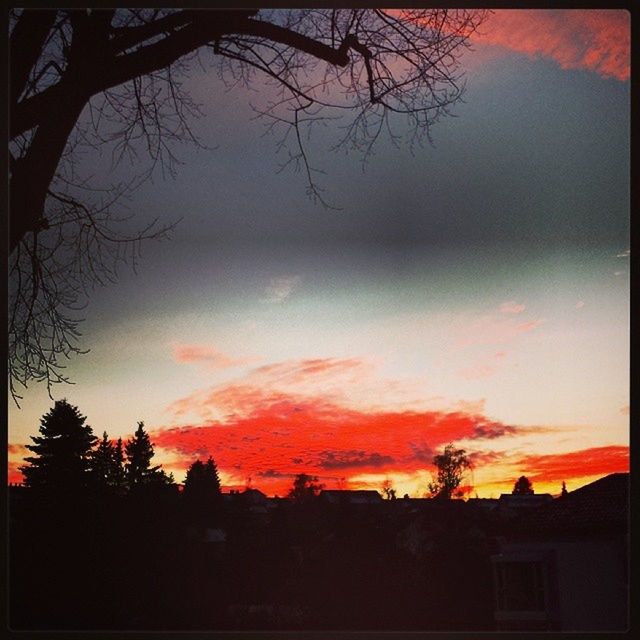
(16, 454)
(291, 434)
(14, 475)
(586, 462)
(594, 40)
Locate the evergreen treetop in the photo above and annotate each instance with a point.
(62, 451)
(139, 452)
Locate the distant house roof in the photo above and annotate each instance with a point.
(526, 500)
(246, 497)
(358, 496)
(602, 505)
(254, 496)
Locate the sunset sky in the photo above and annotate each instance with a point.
(475, 291)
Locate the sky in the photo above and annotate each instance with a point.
(472, 291)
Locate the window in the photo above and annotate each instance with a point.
(521, 586)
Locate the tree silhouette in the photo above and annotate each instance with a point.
(107, 465)
(202, 480)
(388, 491)
(139, 452)
(102, 462)
(62, 451)
(202, 488)
(119, 472)
(84, 79)
(451, 465)
(522, 486)
(304, 488)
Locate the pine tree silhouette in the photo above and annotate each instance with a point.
(202, 489)
(138, 469)
(102, 460)
(119, 475)
(63, 450)
(139, 451)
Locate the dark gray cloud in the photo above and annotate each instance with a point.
(491, 430)
(272, 473)
(352, 458)
(421, 451)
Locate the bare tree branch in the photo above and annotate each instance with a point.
(91, 79)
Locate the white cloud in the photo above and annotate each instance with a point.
(279, 289)
(619, 273)
(624, 254)
(580, 304)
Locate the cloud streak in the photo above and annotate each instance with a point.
(279, 289)
(206, 356)
(591, 40)
(511, 307)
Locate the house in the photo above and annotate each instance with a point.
(564, 565)
(512, 504)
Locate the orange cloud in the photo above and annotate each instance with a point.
(16, 453)
(298, 371)
(14, 475)
(205, 355)
(306, 377)
(597, 40)
(596, 461)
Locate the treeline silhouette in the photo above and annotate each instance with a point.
(100, 538)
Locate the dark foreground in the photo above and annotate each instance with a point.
(147, 562)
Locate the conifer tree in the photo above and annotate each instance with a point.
(62, 451)
(211, 476)
(139, 452)
(202, 485)
(102, 462)
(119, 477)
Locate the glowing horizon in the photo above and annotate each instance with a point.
(475, 292)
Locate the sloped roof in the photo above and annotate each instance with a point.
(602, 505)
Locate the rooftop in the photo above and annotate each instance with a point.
(602, 505)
